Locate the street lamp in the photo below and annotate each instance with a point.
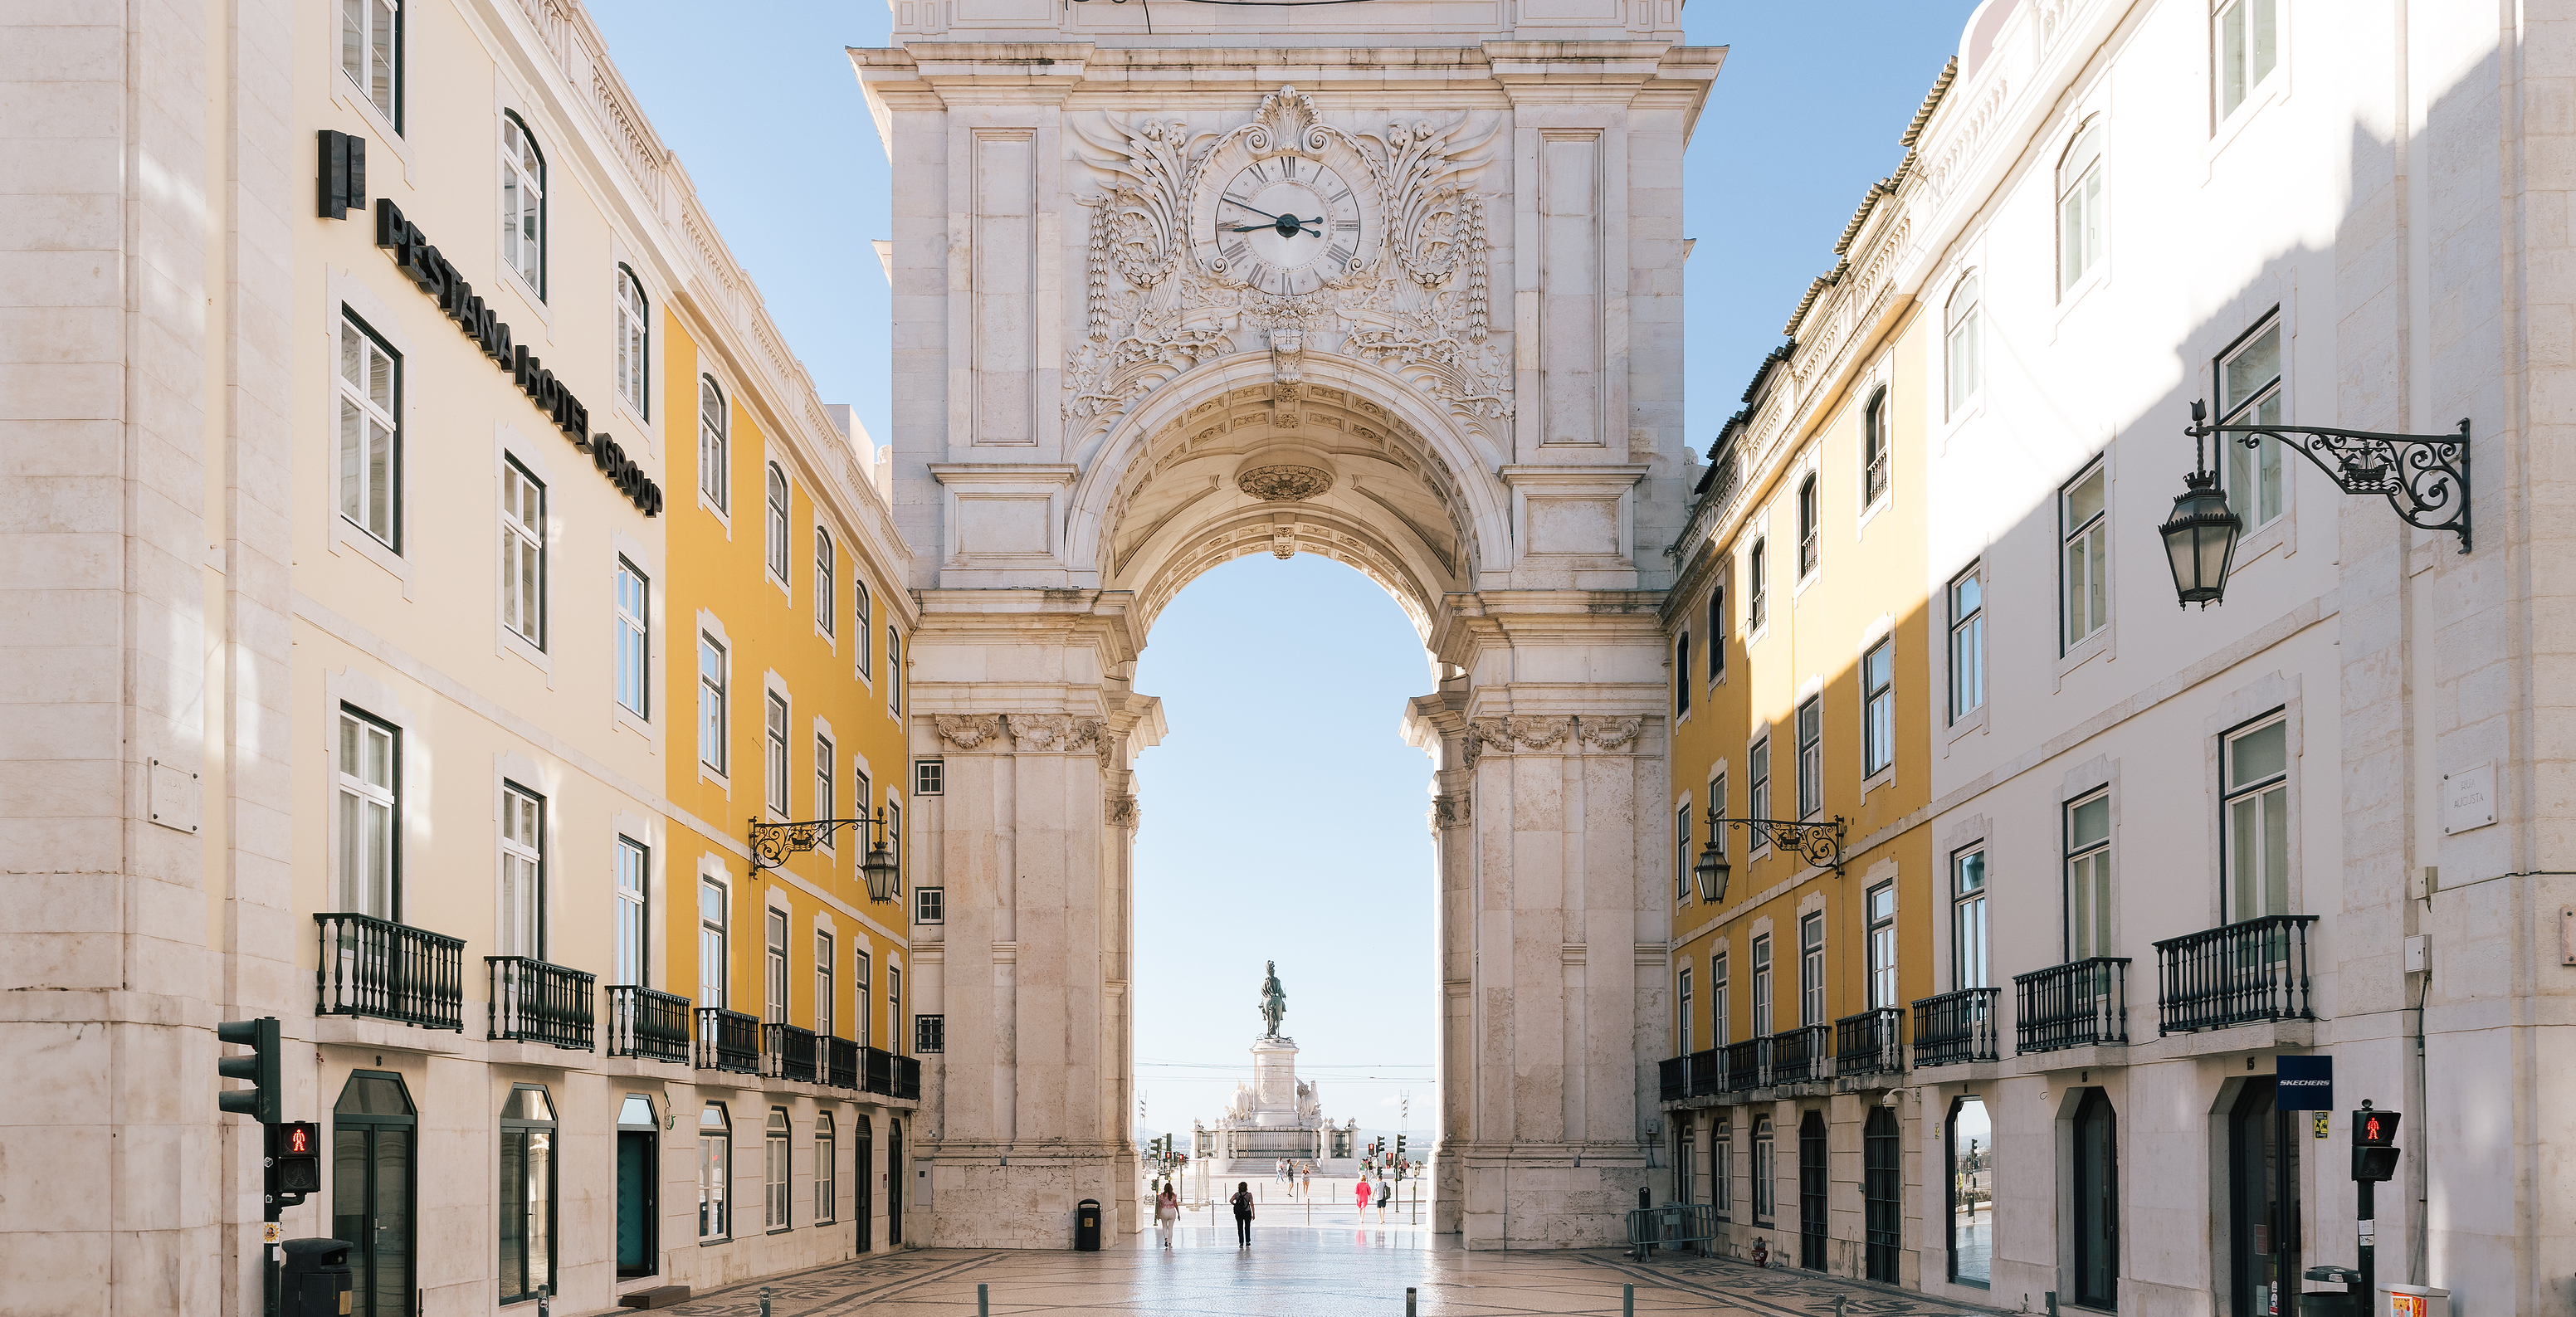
(1818, 843)
(2200, 536)
(772, 843)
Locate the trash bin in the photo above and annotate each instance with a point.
(315, 1279)
(1086, 1226)
(2412, 1301)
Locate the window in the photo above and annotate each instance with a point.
(1717, 628)
(1757, 803)
(777, 523)
(633, 926)
(1682, 852)
(713, 459)
(825, 993)
(1967, 642)
(894, 837)
(711, 943)
(827, 1171)
(1811, 756)
(370, 433)
(2249, 393)
(715, 1172)
(1873, 449)
(2088, 877)
(1811, 969)
(523, 204)
(527, 1194)
(711, 702)
(2079, 208)
(2249, 44)
(1882, 946)
(1681, 676)
(774, 1171)
(774, 740)
(929, 777)
(827, 596)
(2088, 548)
(1717, 802)
(894, 672)
(930, 905)
(1878, 708)
(523, 554)
(929, 1034)
(523, 901)
(371, 53)
(1757, 584)
(1762, 986)
(2257, 855)
(633, 336)
(1967, 370)
(894, 1005)
(1809, 538)
(859, 989)
(1683, 990)
(825, 799)
(860, 624)
(1972, 1192)
(1718, 999)
(1970, 966)
(1721, 1167)
(634, 658)
(1765, 1182)
(774, 981)
(369, 797)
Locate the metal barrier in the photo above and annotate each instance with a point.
(1671, 1225)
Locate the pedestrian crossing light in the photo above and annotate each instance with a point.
(294, 1162)
(2374, 1144)
(260, 1100)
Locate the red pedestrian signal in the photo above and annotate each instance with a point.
(294, 1162)
(2374, 1144)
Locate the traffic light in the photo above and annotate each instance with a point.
(260, 1100)
(2374, 1144)
(1399, 1147)
(294, 1162)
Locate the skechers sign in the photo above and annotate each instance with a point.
(414, 256)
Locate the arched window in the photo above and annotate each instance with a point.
(1681, 675)
(715, 1173)
(1873, 449)
(2079, 207)
(774, 1170)
(827, 597)
(1717, 627)
(859, 632)
(1766, 1184)
(527, 1193)
(827, 1170)
(712, 457)
(634, 335)
(374, 1164)
(1967, 371)
(777, 522)
(1809, 526)
(523, 203)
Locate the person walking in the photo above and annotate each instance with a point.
(1243, 1214)
(1362, 1191)
(1385, 1193)
(1167, 1212)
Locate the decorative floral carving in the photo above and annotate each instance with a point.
(1040, 731)
(1284, 484)
(1611, 733)
(1121, 812)
(1449, 811)
(967, 730)
(1515, 732)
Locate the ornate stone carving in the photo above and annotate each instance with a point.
(1516, 732)
(1040, 731)
(1284, 484)
(1089, 732)
(1121, 812)
(966, 730)
(1611, 733)
(1449, 811)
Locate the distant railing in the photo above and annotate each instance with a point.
(388, 971)
(1798, 1055)
(2236, 974)
(2082, 1004)
(877, 1071)
(1868, 1043)
(787, 1052)
(1744, 1063)
(534, 1002)
(1956, 1027)
(907, 1078)
(1674, 1075)
(1707, 1073)
(728, 1040)
(649, 1024)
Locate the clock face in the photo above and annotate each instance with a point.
(1285, 225)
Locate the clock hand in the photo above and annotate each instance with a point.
(1262, 213)
(1299, 225)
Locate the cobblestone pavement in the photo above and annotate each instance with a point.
(1296, 1272)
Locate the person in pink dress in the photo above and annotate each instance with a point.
(1363, 1194)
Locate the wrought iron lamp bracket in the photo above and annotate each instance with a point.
(1819, 843)
(2426, 477)
(772, 843)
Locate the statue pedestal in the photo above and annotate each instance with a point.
(1273, 1117)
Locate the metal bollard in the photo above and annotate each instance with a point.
(983, 1300)
(764, 1301)
(545, 1299)
(1627, 1301)
(1408, 1301)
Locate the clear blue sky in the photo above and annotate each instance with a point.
(1283, 818)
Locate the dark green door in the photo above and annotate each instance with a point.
(634, 1203)
(371, 1190)
(2097, 1203)
(867, 1172)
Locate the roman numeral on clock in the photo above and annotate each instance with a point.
(1339, 253)
(1256, 274)
(1235, 250)
(1346, 226)
(1287, 166)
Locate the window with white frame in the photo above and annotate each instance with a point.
(714, 938)
(1757, 575)
(929, 1034)
(1757, 802)
(2256, 857)
(1683, 989)
(1878, 708)
(827, 595)
(894, 837)
(2085, 564)
(1721, 1164)
(2249, 393)
(633, 335)
(826, 800)
(929, 777)
(1682, 852)
(1717, 628)
(711, 702)
(824, 994)
(777, 524)
(715, 1171)
(634, 911)
(714, 458)
(774, 1170)
(894, 1007)
(523, 553)
(371, 33)
(1970, 966)
(1717, 805)
(1967, 367)
(1811, 969)
(1874, 449)
(523, 203)
(860, 995)
(2247, 36)
(860, 622)
(370, 465)
(774, 740)
(370, 815)
(1717, 997)
(827, 1170)
(1762, 986)
(1811, 755)
(523, 855)
(633, 605)
(1881, 902)
(930, 905)
(2088, 877)
(1681, 675)
(1810, 528)
(1766, 1176)
(773, 979)
(894, 671)
(1967, 595)
(2079, 207)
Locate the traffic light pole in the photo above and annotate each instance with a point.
(268, 1254)
(2366, 1207)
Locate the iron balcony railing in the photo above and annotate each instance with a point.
(878, 1071)
(787, 1052)
(1674, 1075)
(2082, 1004)
(388, 971)
(838, 1060)
(907, 1078)
(1956, 1027)
(1707, 1073)
(728, 1040)
(534, 1002)
(1799, 1056)
(649, 1024)
(1745, 1063)
(2235, 974)
(1869, 1043)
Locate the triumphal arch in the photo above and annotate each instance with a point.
(1394, 281)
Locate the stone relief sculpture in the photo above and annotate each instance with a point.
(966, 730)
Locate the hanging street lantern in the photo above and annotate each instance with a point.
(2200, 536)
(1711, 872)
(881, 872)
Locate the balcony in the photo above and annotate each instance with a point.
(1674, 1075)
(1870, 1043)
(648, 1024)
(1956, 1028)
(1798, 1056)
(388, 971)
(2236, 974)
(1745, 1063)
(1707, 1073)
(728, 1041)
(907, 1078)
(838, 1061)
(2083, 1004)
(534, 1002)
(877, 1071)
(787, 1052)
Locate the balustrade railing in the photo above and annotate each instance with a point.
(1798, 1055)
(534, 1002)
(838, 1061)
(1744, 1063)
(1869, 1043)
(2081, 1004)
(1957, 1027)
(1707, 1073)
(728, 1040)
(878, 1071)
(2235, 974)
(643, 1022)
(388, 971)
(907, 1078)
(787, 1052)
(1673, 1075)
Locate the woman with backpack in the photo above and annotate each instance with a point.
(1167, 1212)
(1243, 1214)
